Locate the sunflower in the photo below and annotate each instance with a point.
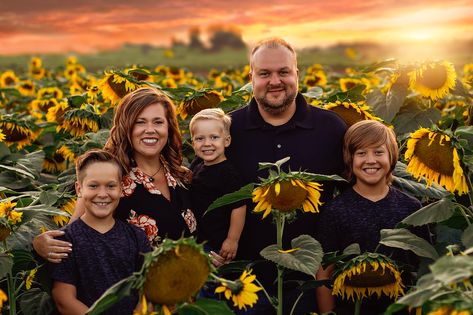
(68, 207)
(37, 73)
(36, 62)
(54, 163)
(351, 113)
(177, 73)
(140, 74)
(287, 193)
(424, 148)
(50, 92)
(56, 113)
(433, 80)
(315, 79)
(9, 218)
(40, 107)
(197, 101)
(3, 298)
(242, 291)
(68, 153)
(29, 279)
(26, 88)
(177, 271)
(2, 136)
(114, 86)
(78, 122)
(366, 275)
(144, 309)
(448, 310)
(350, 83)
(17, 132)
(8, 79)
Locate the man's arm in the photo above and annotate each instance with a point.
(65, 296)
(230, 245)
(325, 299)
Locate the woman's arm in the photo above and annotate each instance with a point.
(65, 296)
(325, 299)
(48, 247)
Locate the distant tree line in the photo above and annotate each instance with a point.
(219, 38)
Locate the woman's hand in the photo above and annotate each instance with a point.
(51, 249)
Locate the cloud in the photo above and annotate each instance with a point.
(89, 25)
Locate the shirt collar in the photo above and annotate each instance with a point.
(301, 117)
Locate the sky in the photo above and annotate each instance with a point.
(89, 26)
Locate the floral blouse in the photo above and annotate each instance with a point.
(143, 205)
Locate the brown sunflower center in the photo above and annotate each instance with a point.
(436, 156)
(15, 134)
(9, 81)
(4, 232)
(371, 278)
(350, 85)
(290, 196)
(174, 278)
(118, 88)
(349, 115)
(434, 78)
(58, 158)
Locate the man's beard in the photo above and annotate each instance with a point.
(276, 108)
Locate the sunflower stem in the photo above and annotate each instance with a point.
(357, 306)
(279, 230)
(11, 294)
(295, 303)
(462, 210)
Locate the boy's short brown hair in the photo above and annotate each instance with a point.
(212, 114)
(94, 156)
(367, 133)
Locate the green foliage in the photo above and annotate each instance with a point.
(305, 256)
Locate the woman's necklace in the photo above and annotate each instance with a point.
(151, 177)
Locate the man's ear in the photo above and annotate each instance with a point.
(78, 189)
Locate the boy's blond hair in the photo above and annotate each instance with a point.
(216, 114)
(367, 133)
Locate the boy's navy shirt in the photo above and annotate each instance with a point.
(98, 261)
(209, 183)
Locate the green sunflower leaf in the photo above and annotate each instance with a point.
(465, 132)
(205, 307)
(467, 236)
(452, 269)
(315, 92)
(6, 264)
(243, 193)
(412, 118)
(394, 100)
(306, 256)
(114, 294)
(404, 239)
(35, 301)
(435, 212)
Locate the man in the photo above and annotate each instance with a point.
(278, 123)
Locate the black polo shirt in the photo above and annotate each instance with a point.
(312, 139)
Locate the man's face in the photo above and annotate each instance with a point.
(274, 78)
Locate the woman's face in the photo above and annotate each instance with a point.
(150, 132)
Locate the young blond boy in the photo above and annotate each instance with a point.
(214, 176)
(105, 250)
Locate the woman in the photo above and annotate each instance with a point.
(145, 138)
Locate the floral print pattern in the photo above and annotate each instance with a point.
(147, 224)
(191, 222)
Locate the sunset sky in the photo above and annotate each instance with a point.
(32, 26)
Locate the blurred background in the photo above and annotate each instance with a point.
(204, 34)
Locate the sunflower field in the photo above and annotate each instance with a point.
(48, 117)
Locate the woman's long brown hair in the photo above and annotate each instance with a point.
(119, 142)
